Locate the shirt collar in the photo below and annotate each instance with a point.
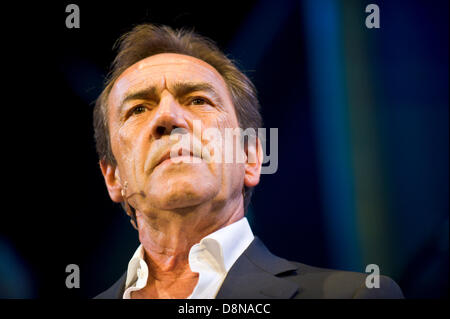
(228, 243)
(135, 265)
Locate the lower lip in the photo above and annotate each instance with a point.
(179, 159)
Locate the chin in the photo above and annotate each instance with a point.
(176, 186)
(184, 198)
(183, 191)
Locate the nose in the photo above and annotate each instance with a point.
(169, 116)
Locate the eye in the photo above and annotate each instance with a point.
(199, 101)
(138, 110)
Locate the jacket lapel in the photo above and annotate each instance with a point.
(254, 276)
(115, 291)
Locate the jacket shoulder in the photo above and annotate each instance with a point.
(315, 282)
(115, 291)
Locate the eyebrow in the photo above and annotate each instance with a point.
(180, 89)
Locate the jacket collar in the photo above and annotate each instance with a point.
(254, 276)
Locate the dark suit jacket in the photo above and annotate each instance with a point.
(258, 274)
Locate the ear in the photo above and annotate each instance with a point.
(112, 180)
(253, 163)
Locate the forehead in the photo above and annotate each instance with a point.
(164, 69)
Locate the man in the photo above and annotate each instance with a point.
(189, 210)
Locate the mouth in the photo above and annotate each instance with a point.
(180, 155)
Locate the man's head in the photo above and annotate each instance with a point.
(164, 80)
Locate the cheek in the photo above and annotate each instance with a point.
(124, 145)
(130, 135)
(231, 167)
(127, 148)
(224, 120)
(232, 180)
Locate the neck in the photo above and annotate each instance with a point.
(167, 237)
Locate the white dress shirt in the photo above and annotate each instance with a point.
(211, 258)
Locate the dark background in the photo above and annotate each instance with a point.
(362, 117)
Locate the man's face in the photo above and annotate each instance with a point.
(147, 102)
